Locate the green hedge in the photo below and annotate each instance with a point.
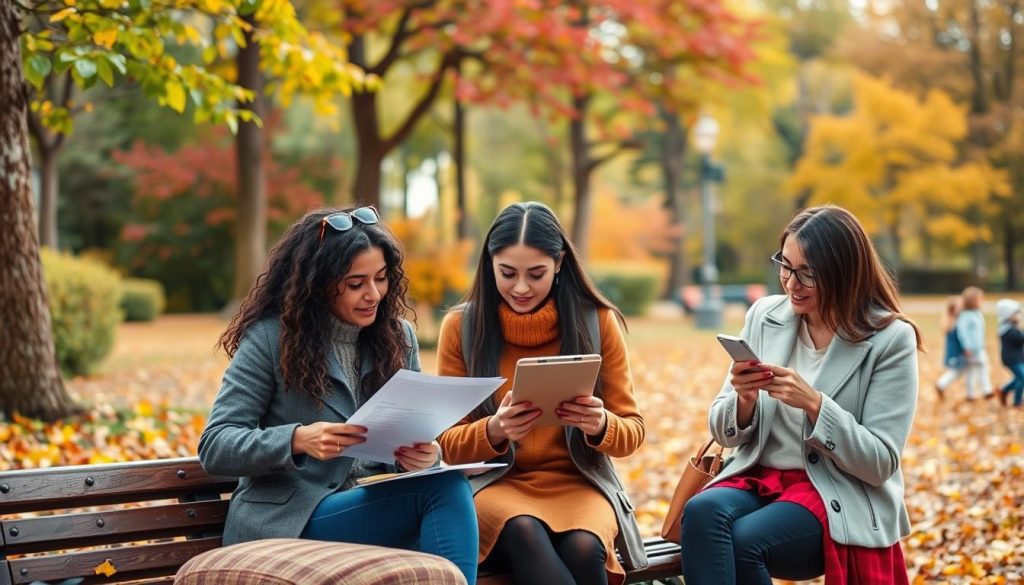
(142, 299)
(633, 288)
(915, 279)
(84, 296)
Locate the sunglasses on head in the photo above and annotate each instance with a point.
(344, 220)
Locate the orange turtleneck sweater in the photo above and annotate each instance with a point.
(544, 482)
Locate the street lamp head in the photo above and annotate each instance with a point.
(705, 134)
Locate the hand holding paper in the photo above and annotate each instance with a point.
(415, 408)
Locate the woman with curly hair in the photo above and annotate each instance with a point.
(321, 332)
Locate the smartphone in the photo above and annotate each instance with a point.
(737, 348)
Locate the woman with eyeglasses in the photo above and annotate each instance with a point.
(818, 424)
(319, 333)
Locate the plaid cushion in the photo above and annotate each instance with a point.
(290, 561)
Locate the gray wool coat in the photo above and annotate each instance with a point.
(249, 436)
(852, 455)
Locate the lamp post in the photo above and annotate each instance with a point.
(708, 314)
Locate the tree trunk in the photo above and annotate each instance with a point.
(673, 148)
(462, 226)
(1009, 249)
(48, 189)
(1011, 53)
(979, 98)
(581, 165)
(373, 146)
(30, 382)
(49, 144)
(366, 188)
(251, 219)
(555, 159)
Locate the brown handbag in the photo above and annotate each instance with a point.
(699, 470)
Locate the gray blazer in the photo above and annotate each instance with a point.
(853, 452)
(249, 435)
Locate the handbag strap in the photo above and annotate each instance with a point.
(716, 463)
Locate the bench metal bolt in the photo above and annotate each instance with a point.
(23, 571)
(4, 488)
(191, 514)
(100, 522)
(181, 474)
(89, 481)
(14, 531)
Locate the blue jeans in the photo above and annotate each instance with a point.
(432, 514)
(736, 536)
(1017, 383)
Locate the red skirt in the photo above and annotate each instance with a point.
(844, 564)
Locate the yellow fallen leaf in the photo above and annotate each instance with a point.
(105, 568)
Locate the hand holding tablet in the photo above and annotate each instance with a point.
(547, 382)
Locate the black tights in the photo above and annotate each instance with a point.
(536, 556)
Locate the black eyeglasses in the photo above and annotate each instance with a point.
(803, 276)
(343, 220)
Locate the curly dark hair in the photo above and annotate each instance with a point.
(300, 285)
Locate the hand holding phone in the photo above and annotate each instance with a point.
(737, 348)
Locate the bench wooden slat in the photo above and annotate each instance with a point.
(89, 485)
(44, 533)
(67, 488)
(132, 562)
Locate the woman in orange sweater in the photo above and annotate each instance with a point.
(557, 512)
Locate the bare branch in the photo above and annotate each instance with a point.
(448, 61)
(622, 147)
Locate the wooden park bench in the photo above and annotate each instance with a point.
(83, 517)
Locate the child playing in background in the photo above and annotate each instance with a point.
(970, 329)
(954, 357)
(1011, 341)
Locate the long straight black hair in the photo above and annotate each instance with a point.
(535, 225)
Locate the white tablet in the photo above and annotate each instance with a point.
(549, 381)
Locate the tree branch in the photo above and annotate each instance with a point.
(448, 60)
(393, 51)
(37, 130)
(622, 147)
(402, 32)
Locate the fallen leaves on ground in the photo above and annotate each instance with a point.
(963, 465)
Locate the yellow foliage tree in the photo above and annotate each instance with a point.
(631, 232)
(895, 162)
(433, 267)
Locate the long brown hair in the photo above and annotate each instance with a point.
(299, 287)
(851, 281)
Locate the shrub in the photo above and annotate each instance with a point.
(917, 279)
(142, 299)
(633, 288)
(84, 297)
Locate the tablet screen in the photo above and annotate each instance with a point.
(548, 381)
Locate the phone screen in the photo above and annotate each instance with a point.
(738, 348)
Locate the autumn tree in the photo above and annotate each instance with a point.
(436, 40)
(894, 161)
(972, 50)
(29, 377)
(645, 56)
(102, 41)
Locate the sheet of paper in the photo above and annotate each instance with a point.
(466, 468)
(414, 408)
